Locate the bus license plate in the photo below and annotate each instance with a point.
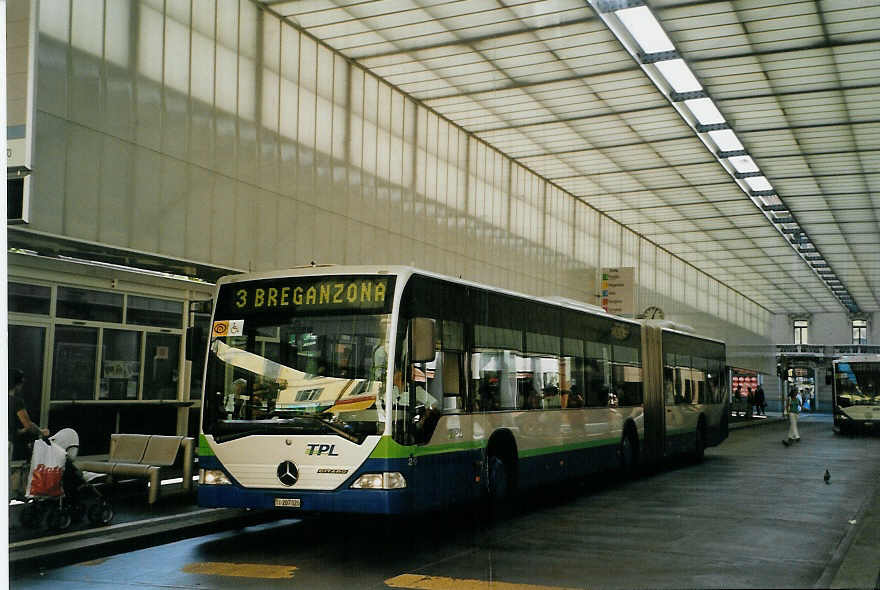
(287, 503)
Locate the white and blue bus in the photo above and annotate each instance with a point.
(856, 393)
(390, 390)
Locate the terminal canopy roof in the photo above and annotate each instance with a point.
(741, 136)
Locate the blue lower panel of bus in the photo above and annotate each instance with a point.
(433, 482)
(358, 501)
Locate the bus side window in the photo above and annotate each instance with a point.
(453, 400)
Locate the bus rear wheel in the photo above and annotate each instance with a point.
(700, 442)
(627, 454)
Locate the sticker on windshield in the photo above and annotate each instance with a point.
(228, 328)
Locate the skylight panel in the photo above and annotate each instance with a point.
(705, 111)
(645, 29)
(726, 140)
(759, 183)
(679, 75)
(743, 164)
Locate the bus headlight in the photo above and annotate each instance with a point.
(380, 481)
(213, 477)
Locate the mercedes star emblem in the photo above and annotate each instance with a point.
(287, 473)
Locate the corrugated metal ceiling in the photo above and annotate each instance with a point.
(554, 84)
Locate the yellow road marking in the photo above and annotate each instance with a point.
(98, 561)
(240, 570)
(419, 582)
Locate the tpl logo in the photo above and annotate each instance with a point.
(320, 449)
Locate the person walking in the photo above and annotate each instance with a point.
(760, 401)
(794, 409)
(20, 424)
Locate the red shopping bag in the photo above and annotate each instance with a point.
(47, 469)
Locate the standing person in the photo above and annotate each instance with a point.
(794, 409)
(20, 423)
(760, 401)
(739, 398)
(750, 400)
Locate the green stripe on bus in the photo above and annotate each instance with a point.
(204, 447)
(449, 448)
(388, 448)
(572, 447)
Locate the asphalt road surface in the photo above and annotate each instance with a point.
(753, 514)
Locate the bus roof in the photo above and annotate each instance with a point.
(404, 272)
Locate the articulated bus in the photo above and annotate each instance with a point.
(856, 393)
(391, 390)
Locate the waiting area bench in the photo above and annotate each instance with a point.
(146, 456)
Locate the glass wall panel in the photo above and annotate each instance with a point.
(160, 366)
(82, 304)
(120, 364)
(74, 363)
(25, 298)
(147, 311)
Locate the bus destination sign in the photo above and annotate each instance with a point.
(307, 295)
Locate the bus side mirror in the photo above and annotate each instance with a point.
(194, 342)
(422, 331)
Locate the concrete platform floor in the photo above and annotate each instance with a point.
(754, 514)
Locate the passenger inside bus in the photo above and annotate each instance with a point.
(234, 399)
(423, 411)
(575, 396)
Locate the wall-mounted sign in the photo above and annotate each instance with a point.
(618, 290)
(21, 39)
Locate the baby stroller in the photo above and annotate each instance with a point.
(57, 490)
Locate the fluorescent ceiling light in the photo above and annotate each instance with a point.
(759, 183)
(726, 140)
(645, 29)
(679, 75)
(705, 111)
(743, 164)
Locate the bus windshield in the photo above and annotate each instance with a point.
(299, 355)
(858, 384)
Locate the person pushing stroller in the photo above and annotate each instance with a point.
(57, 488)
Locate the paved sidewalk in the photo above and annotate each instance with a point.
(176, 516)
(737, 422)
(135, 524)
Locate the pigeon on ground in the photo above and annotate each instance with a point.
(827, 477)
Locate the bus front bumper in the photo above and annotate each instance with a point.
(346, 500)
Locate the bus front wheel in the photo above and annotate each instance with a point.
(498, 479)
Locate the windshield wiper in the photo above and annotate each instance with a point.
(273, 427)
(222, 438)
(332, 427)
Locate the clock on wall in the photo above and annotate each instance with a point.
(620, 331)
(653, 313)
